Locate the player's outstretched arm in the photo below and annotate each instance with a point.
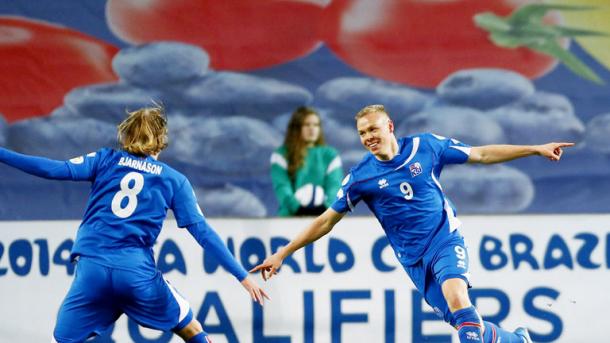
(209, 240)
(488, 154)
(37, 166)
(318, 228)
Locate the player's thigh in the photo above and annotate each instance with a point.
(154, 303)
(451, 261)
(422, 277)
(87, 309)
(448, 261)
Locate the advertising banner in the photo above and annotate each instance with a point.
(547, 273)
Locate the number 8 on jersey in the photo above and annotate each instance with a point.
(129, 193)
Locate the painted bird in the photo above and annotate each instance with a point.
(525, 28)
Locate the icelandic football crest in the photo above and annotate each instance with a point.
(415, 169)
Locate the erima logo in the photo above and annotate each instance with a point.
(472, 335)
(383, 183)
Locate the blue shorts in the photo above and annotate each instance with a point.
(447, 261)
(100, 294)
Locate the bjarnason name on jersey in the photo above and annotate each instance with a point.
(141, 165)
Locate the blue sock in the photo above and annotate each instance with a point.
(494, 334)
(468, 324)
(199, 338)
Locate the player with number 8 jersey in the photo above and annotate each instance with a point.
(130, 195)
(129, 199)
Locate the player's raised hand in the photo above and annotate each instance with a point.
(553, 151)
(256, 293)
(269, 267)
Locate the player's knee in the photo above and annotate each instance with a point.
(457, 300)
(458, 303)
(190, 330)
(455, 292)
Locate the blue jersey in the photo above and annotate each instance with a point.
(405, 195)
(129, 199)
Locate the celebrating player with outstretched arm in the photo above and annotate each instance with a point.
(116, 272)
(398, 180)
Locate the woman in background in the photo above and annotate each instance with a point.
(306, 173)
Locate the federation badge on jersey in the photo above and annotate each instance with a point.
(77, 160)
(415, 169)
(81, 159)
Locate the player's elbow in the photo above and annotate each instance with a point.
(327, 220)
(479, 155)
(475, 156)
(52, 175)
(324, 225)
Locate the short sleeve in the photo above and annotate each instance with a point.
(347, 196)
(85, 167)
(185, 206)
(450, 150)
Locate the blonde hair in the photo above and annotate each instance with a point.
(371, 109)
(144, 131)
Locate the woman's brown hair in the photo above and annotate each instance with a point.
(144, 131)
(296, 147)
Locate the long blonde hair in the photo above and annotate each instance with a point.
(296, 147)
(144, 131)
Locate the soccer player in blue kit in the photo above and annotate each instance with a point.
(398, 180)
(130, 195)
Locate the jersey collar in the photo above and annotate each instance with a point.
(407, 147)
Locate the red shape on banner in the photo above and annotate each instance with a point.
(40, 62)
(420, 42)
(238, 35)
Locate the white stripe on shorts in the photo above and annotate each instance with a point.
(182, 303)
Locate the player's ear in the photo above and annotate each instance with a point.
(391, 125)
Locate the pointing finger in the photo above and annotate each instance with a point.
(565, 144)
(257, 268)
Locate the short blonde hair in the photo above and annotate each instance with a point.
(371, 109)
(144, 131)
